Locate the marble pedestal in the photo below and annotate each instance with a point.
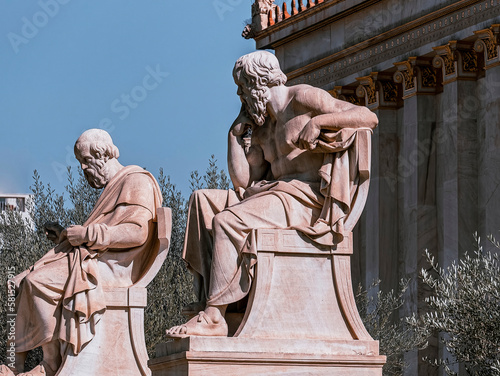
(119, 346)
(244, 356)
(301, 319)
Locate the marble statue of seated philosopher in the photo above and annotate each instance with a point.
(60, 299)
(296, 172)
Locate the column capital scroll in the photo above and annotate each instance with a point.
(487, 45)
(417, 76)
(457, 60)
(378, 91)
(346, 93)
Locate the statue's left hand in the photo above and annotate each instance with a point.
(53, 231)
(308, 137)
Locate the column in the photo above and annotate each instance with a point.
(456, 146)
(380, 223)
(488, 117)
(416, 188)
(457, 150)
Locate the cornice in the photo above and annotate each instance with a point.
(396, 42)
(265, 39)
(457, 60)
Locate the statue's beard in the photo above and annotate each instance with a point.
(97, 175)
(256, 104)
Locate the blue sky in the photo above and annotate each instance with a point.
(157, 74)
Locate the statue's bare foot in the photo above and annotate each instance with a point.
(42, 369)
(6, 371)
(39, 370)
(200, 325)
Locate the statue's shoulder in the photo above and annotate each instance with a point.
(138, 187)
(300, 88)
(137, 176)
(311, 97)
(306, 92)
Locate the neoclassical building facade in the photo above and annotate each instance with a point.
(430, 70)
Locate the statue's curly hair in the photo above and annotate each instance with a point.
(259, 68)
(100, 143)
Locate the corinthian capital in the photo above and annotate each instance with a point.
(417, 76)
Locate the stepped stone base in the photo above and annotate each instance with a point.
(225, 356)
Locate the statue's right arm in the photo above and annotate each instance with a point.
(131, 230)
(245, 166)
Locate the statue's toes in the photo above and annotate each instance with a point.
(5, 371)
(37, 371)
(177, 331)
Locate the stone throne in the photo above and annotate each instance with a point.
(301, 317)
(119, 346)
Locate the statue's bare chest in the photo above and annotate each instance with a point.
(277, 136)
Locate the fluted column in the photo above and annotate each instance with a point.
(488, 117)
(456, 150)
(379, 222)
(416, 187)
(456, 147)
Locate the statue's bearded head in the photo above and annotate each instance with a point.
(93, 149)
(254, 74)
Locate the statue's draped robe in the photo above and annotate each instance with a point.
(61, 297)
(220, 246)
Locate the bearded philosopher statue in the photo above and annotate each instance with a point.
(293, 174)
(60, 299)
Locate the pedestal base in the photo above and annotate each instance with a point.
(224, 356)
(301, 319)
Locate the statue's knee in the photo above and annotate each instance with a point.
(198, 196)
(222, 219)
(195, 195)
(226, 221)
(30, 279)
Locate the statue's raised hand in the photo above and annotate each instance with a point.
(241, 124)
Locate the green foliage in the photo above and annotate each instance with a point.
(172, 287)
(47, 206)
(213, 178)
(378, 310)
(195, 181)
(465, 307)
